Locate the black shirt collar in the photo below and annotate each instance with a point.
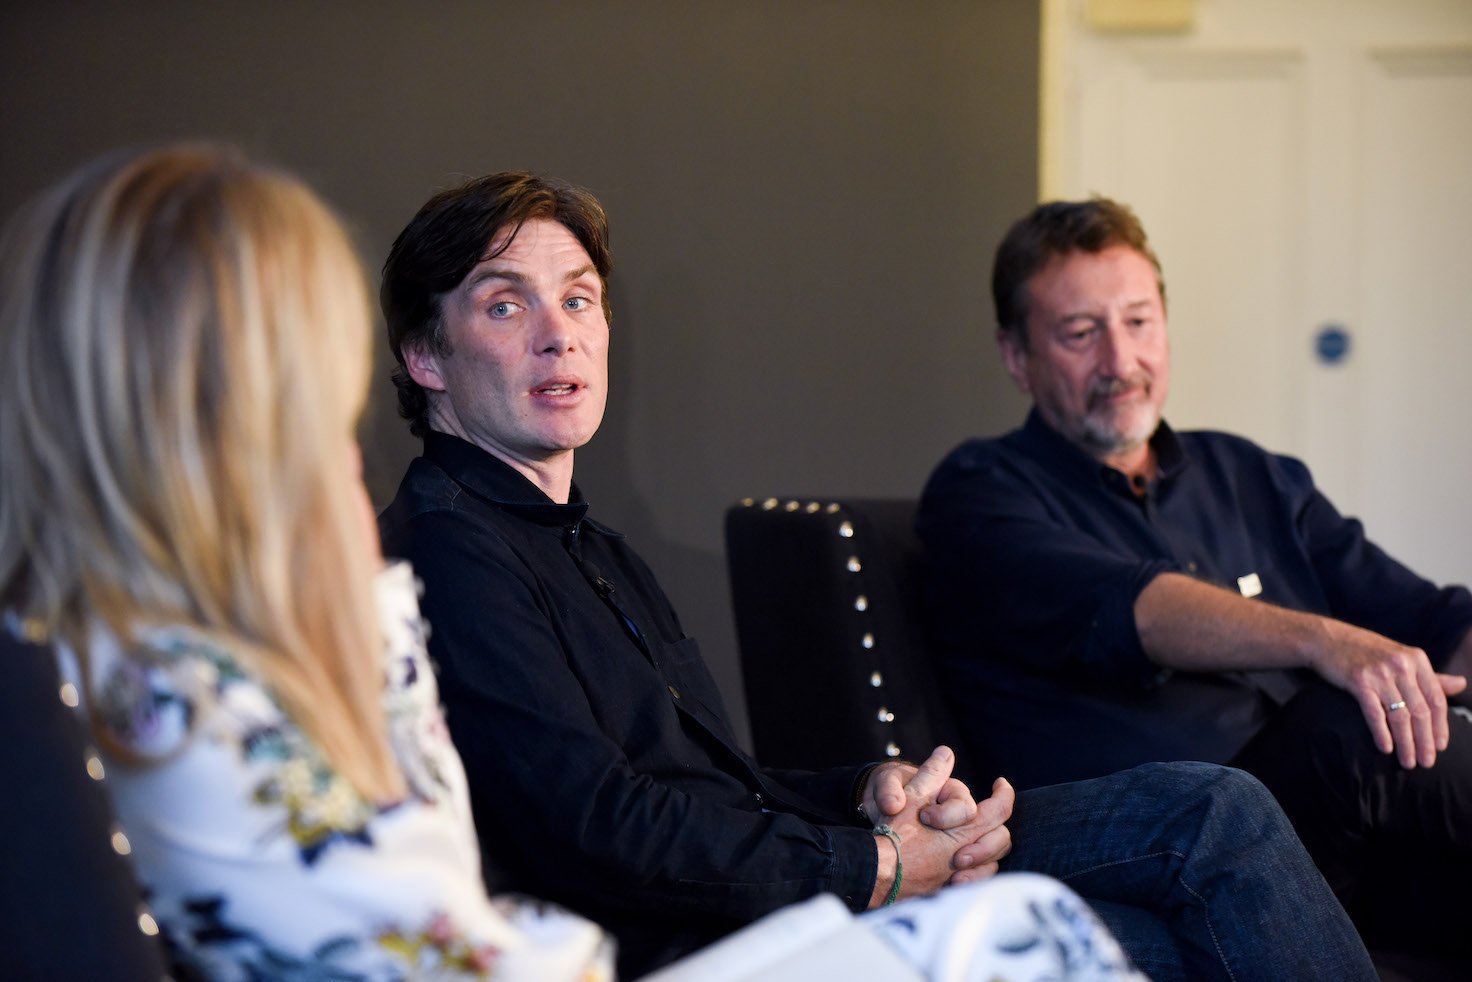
(491, 478)
(1045, 442)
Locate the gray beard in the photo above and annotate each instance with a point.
(1103, 439)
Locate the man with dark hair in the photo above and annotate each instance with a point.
(424, 271)
(1106, 592)
(602, 772)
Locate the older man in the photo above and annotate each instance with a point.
(602, 771)
(1108, 592)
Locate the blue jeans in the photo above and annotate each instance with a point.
(1196, 871)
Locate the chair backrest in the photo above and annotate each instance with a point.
(836, 666)
(70, 907)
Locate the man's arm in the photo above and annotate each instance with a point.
(556, 798)
(1072, 601)
(1193, 626)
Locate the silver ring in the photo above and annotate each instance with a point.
(1395, 705)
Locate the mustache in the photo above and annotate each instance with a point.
(1105, 387)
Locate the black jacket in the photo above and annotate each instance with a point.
(602, 773)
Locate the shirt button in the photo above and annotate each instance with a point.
(673, 691)
(759, 799)
(1191, 567)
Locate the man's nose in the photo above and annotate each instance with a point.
(1117, 351)
(554, 332)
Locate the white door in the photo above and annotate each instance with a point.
(1304, 169)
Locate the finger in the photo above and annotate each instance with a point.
(1435, 699)
(996, 809)
(1374, 712)
(955, 789)
(973, 874)
(954, 806)
(1425, 709)
(1402, 724)
(926, 782)
(888, 788)
(992, 847)
(1452, 685)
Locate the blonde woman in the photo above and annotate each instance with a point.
(184, 352)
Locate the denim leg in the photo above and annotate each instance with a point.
(1205, 848)
(1146, 938)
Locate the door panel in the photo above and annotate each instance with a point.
(1300, 166)
(1417, 157)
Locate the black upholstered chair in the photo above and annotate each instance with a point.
(836, 667)
(834, 657)
(70, 907)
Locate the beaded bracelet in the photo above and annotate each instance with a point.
(899, 867)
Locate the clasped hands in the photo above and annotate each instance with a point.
(947, 836)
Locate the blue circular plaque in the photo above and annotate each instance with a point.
(1332, 344)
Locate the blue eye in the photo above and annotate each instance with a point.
(576, 303)
(504, 308)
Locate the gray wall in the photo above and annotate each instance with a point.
(804, 198)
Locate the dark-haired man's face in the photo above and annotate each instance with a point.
(527, 377)
(1097, 362)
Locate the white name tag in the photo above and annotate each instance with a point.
(1250, 585)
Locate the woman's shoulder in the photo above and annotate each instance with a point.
(196, 731)
(257, 854)
(153, 693)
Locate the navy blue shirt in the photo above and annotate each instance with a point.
(1037, 552)
(602, 772)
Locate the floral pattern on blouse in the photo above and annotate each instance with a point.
(438, 943)
(210, 945)
(152, 705)
(320, 806)
(262, 862)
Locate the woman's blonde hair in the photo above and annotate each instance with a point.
(184, 352)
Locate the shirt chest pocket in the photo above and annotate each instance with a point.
(688, 681)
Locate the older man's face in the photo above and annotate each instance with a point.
(1097, 363)
(527, 376)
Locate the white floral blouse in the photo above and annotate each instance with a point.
(260, 861)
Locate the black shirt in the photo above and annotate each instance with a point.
(602, 772)
(1037, 553)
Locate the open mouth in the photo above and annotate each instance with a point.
(560, 389)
